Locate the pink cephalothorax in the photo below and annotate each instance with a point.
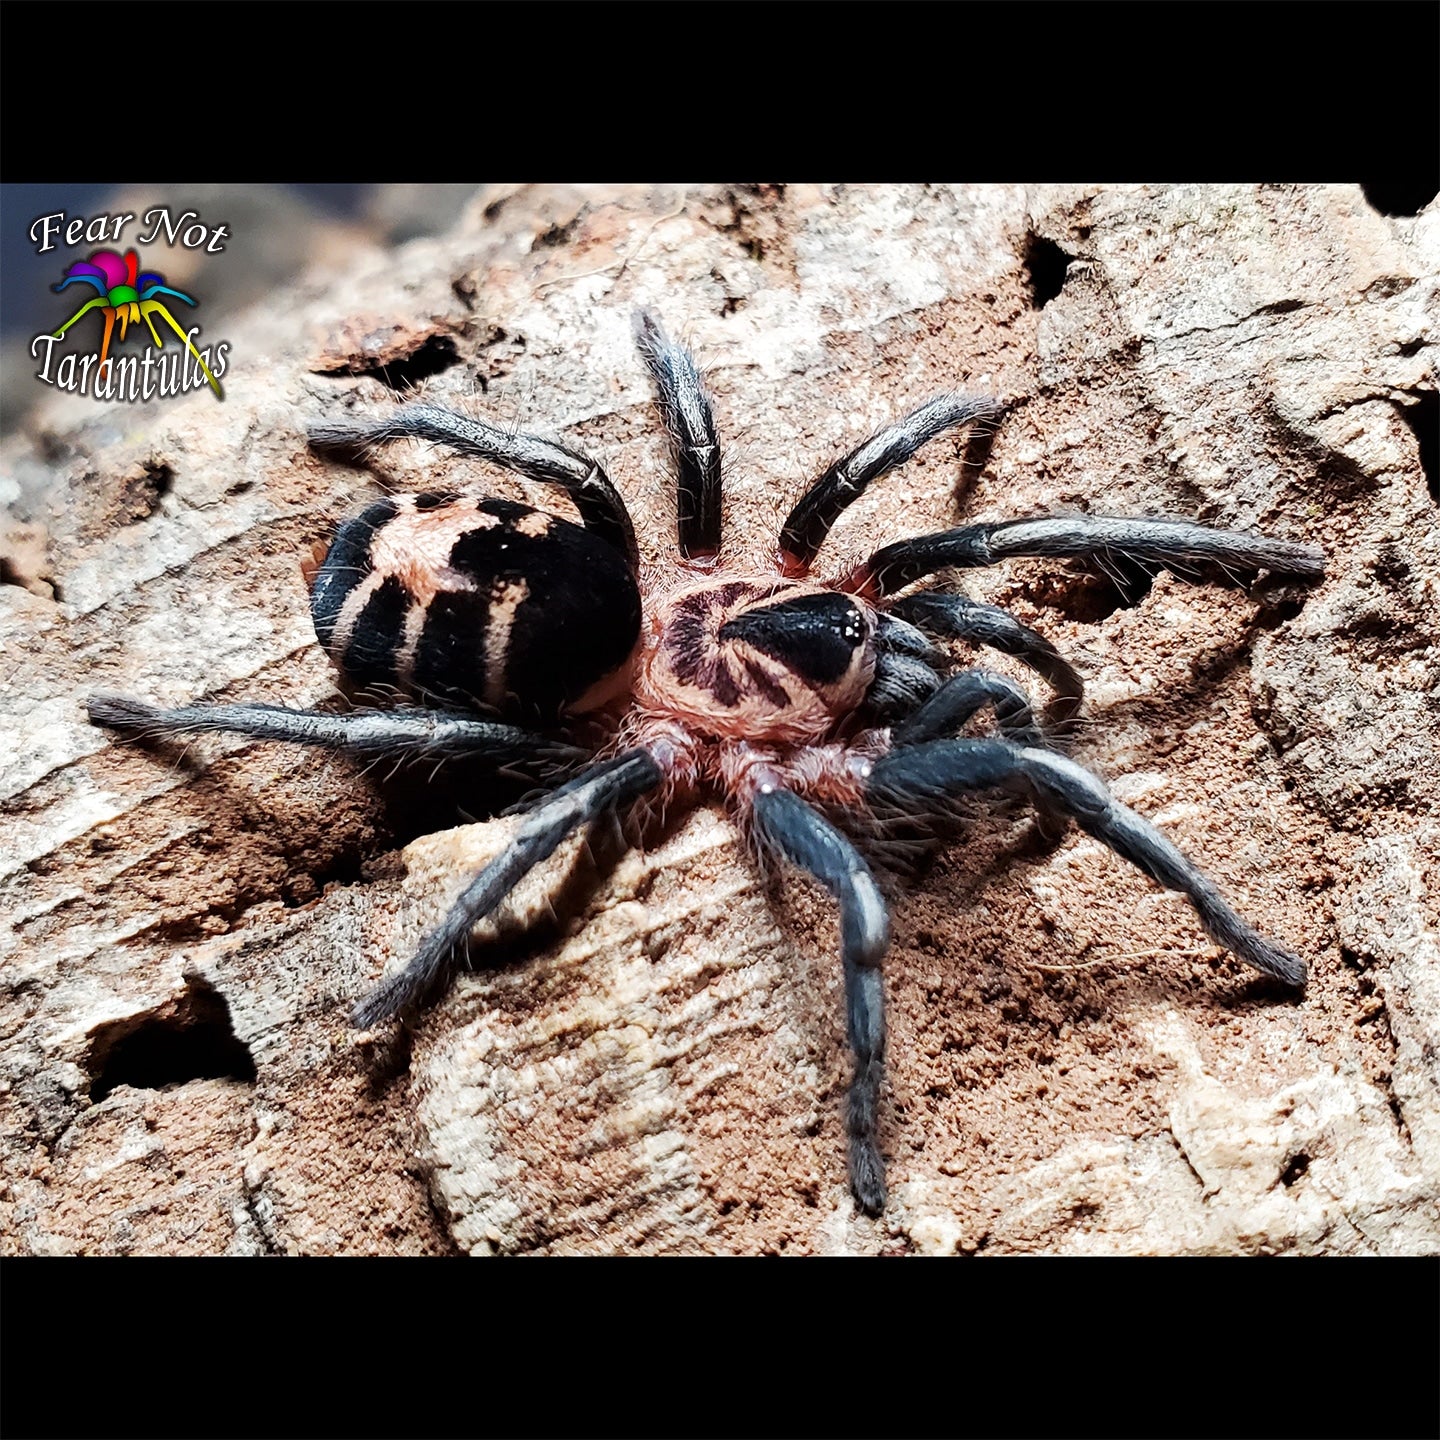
(795, 702)
(756, 658)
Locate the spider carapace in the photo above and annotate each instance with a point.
(805, 706)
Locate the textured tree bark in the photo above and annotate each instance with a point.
(658, 1063)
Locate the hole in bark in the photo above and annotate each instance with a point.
(1298, 1165)
(1088, 598)
(189, 1038)
(1272, 615)
(1400, 194)
(160, 477)
(437, 354)
(143, 491)
(431, 356)
(1046, 264)
(9, 575)
(420, 801)
(1423, 418)
(557, 235)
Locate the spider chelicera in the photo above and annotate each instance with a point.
(790, 699)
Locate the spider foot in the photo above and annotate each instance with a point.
(921, 782)
(867, 1176)
(867, 1169)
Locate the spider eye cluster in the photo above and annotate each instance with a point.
(487, 604)
(814, 636)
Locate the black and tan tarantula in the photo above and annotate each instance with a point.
(776, 693)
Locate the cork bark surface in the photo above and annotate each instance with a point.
(649, 1055)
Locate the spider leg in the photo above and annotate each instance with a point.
(602, 511)
(952, 705)
(153, 290)
(921, 780)
(960, 618)
(891, 446)
(413, 734)
(1179, 545)
(690, 423)
(597, 792)
(154, 333)
(902, 683)
(792, 829)
(950, 709)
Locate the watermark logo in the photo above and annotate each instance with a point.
(125, 296)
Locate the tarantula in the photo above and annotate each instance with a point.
(780, 694)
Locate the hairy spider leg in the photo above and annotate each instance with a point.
(809, 523)
(946, 713)
(790, 828)
(689, 420)
(957, 617)
(403, 735)
(601, 508)
(901, 684)
(950, 708)
(1178, 545)
(598, 791)
(920, 782)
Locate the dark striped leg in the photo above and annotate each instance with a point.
(848, 478)
(920, 781)
(601, 790)
(1190, 551)
(958, 617)
(690, 423)
(404, 735)
(786, 825)
(602, 511)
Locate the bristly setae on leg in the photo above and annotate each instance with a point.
(511, 633)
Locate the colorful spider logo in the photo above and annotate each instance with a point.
(128, 297)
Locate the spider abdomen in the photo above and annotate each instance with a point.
(757, 659)
(488, 604)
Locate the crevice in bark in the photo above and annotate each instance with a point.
(1423, 418)
(188, 1038)
(1046, 265)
